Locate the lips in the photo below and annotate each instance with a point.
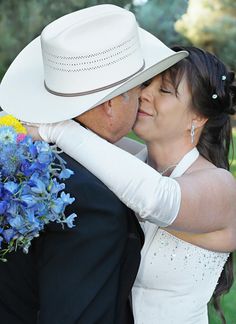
(142, 112)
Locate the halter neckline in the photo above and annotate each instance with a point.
(187, 160)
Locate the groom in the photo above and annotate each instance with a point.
(93, 61)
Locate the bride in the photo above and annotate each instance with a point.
(184, 195)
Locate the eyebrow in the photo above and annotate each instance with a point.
(168, 81)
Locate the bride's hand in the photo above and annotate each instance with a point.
(48, 132)
(51, 133)
(33, 131)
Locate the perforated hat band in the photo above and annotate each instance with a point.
(77, 94)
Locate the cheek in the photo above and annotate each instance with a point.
(132, 110)
(128, 119)
(135, 106)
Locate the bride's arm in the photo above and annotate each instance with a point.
(151, 196)
(194, 203)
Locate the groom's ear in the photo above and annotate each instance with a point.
(108, 108)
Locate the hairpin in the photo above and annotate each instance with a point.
(223, 77)
(214, 96)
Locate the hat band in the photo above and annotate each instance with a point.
(94, 90)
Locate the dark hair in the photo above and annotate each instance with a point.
(213, 92)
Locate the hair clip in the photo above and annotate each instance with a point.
(214, 96)
(223, 77)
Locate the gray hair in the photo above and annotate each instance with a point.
(125, 95)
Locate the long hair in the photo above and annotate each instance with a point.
(213, 95)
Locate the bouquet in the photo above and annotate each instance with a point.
(31, 191)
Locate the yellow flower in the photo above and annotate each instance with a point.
(9, 120)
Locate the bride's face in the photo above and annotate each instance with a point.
(163, 115)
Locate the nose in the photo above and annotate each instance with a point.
(147, 93)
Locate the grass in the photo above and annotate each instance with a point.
(228, 301)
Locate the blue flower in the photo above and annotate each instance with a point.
(52, 217)
(31, 193)
(36, 184)
(11, 187)
(44, 158)
(9, 159)
(25, 168)
(55, 187)
(42, 208)
(3, 207)
(43, 147)
(28, 200)
(17, 222)
(67, 200)
(65, 174)
(33, 150)
(70, 219)
(8, 234)
(57, 206)
(33, 222)
(1, 188)
(12, 207)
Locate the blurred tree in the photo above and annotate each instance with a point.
(159, 16)
(23, 20)
(211, 24)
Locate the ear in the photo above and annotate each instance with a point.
(108, 108)
(198, 121)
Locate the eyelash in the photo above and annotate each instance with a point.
(165, 91)
(148, 82)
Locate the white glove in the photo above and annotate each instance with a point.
(153, 197)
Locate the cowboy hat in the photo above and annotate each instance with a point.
(80, 61)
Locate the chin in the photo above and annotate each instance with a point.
(116, 137)
(138, 130)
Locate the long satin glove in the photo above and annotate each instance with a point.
(153, 197)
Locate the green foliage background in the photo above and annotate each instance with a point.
(210, 24)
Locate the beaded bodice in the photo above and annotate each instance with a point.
(175, 281)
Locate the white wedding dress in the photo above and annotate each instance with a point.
(176, 279)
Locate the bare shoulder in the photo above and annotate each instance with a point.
(223, 175)
(215, 185)
(223, 178)
(211, 176)
(210, 194)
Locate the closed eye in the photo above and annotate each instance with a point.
(165, 90)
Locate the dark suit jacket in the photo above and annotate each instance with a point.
(81, 275)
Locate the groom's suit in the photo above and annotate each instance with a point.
(83, 275)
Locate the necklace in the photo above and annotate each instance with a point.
(167, 169)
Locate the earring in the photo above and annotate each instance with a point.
(192, 133)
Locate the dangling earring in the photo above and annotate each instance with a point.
(192, 133)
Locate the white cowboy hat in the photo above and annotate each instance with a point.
(85, 58)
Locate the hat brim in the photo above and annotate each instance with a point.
(22, 91)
